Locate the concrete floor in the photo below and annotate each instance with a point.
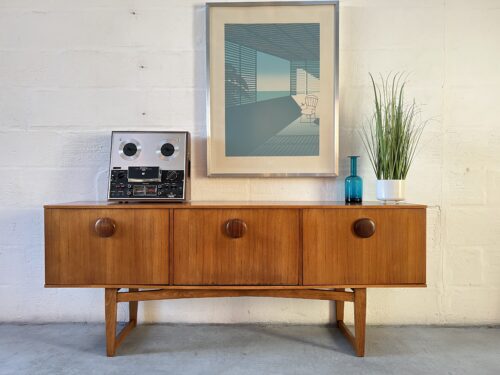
(247, 349)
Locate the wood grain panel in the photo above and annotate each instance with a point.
(137, 253)
(333, 254)
(267, 254)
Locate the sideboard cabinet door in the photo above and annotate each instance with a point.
(236, 247)
(106, 246)
(387, 248)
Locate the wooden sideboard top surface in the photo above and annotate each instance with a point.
(235, 204)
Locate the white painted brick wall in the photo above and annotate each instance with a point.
(72, 71)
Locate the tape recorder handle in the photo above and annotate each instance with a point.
(105, 227)
(235, 228)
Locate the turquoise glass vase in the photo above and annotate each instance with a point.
(354, 183)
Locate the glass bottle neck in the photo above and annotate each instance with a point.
(354, 166)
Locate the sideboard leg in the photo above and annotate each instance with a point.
(132, 309)
(113, 340)
(360, 321)
(110, 305)
(357, 339)
(339, 309)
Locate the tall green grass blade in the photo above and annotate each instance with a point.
(393, 134)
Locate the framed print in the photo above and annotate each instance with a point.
(272, 90)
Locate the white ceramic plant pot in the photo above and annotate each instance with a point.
(391, 190)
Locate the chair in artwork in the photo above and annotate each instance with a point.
(309, 109)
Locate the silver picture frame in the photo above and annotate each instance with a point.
(212, 170)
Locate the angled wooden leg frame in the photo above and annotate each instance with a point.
(111, 303)
(113, 296)
(357, 340)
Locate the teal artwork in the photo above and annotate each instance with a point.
(272, 89)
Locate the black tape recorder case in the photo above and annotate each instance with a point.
(149, 166)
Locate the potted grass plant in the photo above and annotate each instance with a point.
(391, 136)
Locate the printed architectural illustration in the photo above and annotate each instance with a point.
(272, 89)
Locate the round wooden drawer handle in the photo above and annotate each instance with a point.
(364, 228)
(235, 228)
(105, 227)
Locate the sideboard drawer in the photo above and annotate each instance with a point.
(236, 247)
(128, 246)
(334, 254)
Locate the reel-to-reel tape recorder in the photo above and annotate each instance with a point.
(149, 166)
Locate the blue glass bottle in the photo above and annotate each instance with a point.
(354, 184)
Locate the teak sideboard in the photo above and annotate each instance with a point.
(312, 250)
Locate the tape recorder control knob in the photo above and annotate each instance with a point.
(171, 175)
(121, 175)
(167, 149)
